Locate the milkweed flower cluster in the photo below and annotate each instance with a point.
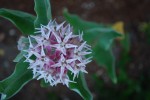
(53, 51)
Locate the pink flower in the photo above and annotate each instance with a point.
(53, 51)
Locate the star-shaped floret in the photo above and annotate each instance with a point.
(64, 64)
(62, 45)
(80, 51)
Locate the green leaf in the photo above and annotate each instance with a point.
(11, 85)
(102, 36)
(106, 59)
(43, 12)
(102, 40)
(80, 24)
(125, 42)
(23, 21)
(80, 87)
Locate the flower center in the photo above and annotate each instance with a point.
(64, 63)
(62, 44)
(44, 59)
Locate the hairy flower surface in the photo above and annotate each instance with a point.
(53, 51)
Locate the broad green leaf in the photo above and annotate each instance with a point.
(80, 87)
(80, 24)
(23, 21)
(11, 85)
(102, 36)
(125, 42)
(106, 59)
(43, 12)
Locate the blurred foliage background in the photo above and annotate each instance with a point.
(129, 17)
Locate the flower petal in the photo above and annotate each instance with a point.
(70, 46)
(59, 26)
(67, 37)
(82, 45)
(57, 37)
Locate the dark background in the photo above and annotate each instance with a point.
(132, 12)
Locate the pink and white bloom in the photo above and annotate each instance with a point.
(54, 51)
